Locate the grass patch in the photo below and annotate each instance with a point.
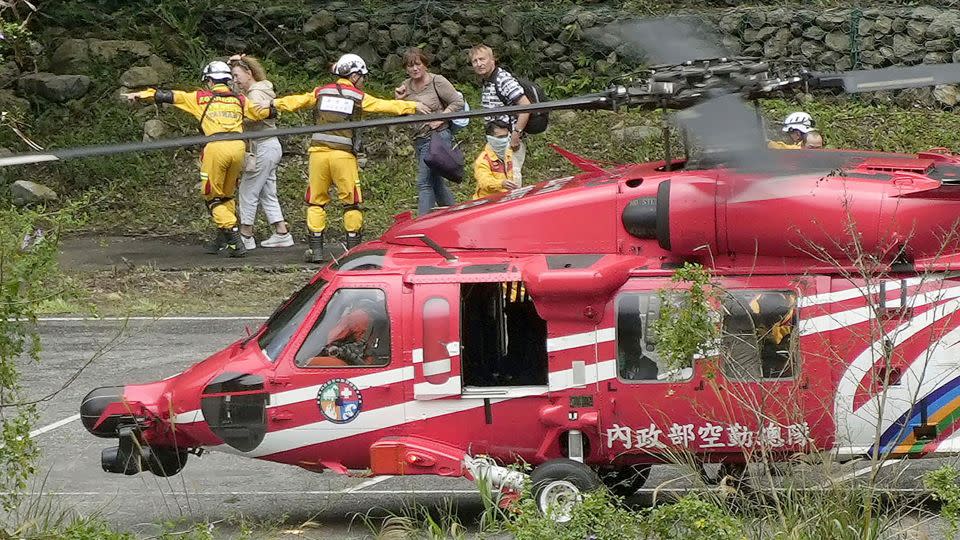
(150, 292)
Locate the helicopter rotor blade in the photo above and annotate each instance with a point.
(723, 124)
(891, 78)
(666, 40)
(602, 100)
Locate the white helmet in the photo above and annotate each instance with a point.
(217, 71)
(349, 64)
(799, 121)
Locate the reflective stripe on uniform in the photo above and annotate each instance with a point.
(342, 91)
(327, 138)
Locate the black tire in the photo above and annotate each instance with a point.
(626, 481)
(562, 481)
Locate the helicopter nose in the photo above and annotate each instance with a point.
(93, 406)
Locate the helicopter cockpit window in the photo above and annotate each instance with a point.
(287, 319)
(637, 355)
(353, 330)
(758, 339)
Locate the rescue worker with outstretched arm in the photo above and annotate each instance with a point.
(333, 153)
(219, 110)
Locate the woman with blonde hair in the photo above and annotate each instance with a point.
(259, 183)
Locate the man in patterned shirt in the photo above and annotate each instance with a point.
(501, 89)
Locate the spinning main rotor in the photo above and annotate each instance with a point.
(710, 91)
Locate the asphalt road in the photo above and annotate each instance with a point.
(216, 487)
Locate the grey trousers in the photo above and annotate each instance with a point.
(259, 187)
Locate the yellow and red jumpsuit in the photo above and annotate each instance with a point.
(221, 163)
(490, 172)
(332, 157)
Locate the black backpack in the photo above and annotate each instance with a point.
(538, 120)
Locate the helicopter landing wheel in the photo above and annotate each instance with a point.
(626, 481)
(559, 485)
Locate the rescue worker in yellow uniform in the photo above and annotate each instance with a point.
(333, 153)
(219, 110)
(799, 131)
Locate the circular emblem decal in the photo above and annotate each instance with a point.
(339, 401)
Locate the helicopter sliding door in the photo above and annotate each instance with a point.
(435, 343)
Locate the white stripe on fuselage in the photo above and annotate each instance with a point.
(385, 417)
(406, 373)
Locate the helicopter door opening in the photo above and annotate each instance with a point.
(504, 338)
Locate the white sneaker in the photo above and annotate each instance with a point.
(249, 242)
(278, 240)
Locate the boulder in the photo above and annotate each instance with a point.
(925, 13)
(567, 68)
(755, 18)
(866, 26)
(586, 19)
(837, 41)
(883, 25)
(871, 58)
(936, 58)
(947, 94)
(392, 63)
(58, 88)
(72, 56)
(943, 25)
(451, 28)
(359, 29)
(956, 56)
(9, 71)
(510, 24)
(777, 45)
(400, 33)
(904, 47)
(554, 50)
(917, 29)
(139, 77)
(164, 69)
(25, 192)
(634, 133)
(730, 43)
(939, 45)
(899, 25)
(832, 20)
(810, 49)
(730, 23)
(844, 63)
(320, 21)
(814, 32)
(110, 49)
(829, 59)
(369, 54)
(751, 35)
(153, 129)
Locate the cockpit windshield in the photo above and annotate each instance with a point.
(288, 318)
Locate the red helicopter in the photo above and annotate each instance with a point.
(521, 326)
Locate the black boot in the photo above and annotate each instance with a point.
(235, 246)
(314, 253)
(354, 239)
(218, 243)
